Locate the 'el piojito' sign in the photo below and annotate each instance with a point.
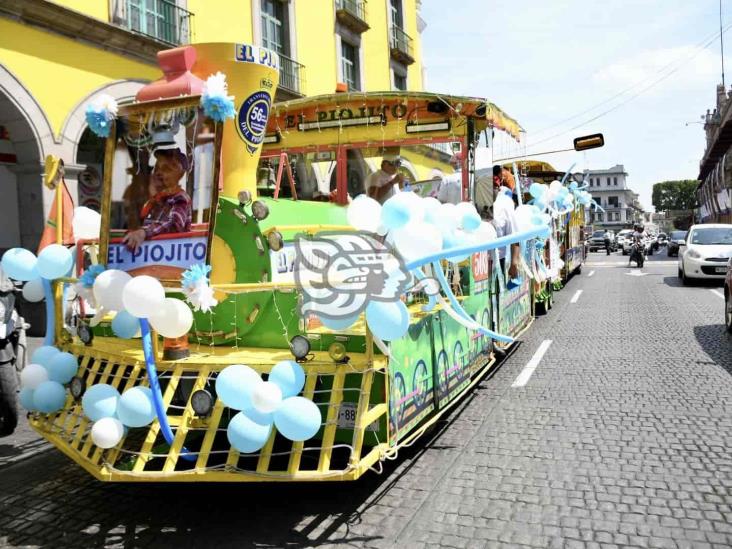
(165, 258)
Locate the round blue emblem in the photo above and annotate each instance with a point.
(252, 119)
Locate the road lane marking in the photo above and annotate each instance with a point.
(591, 273)
(576, 296)
(525, 374)
(717, 293)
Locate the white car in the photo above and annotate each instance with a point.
(706, 252)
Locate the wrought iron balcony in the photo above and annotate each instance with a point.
(401, 46)
(162, 20)
(352, 14)
(291, 77)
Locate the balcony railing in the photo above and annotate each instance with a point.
(291, 75)
(352, 14)
(162, 20)
(401, 46)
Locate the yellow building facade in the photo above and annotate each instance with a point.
(56, 56)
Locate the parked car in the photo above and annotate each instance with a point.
(675, 239)
(623, 236)
(706, 253)
(597, 241)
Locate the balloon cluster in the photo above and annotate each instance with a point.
(263, 405)
(54, 261)
(42, 381)
(554, 198)
(113, 413)
(416, 227)
(216, 102)
(140, 297)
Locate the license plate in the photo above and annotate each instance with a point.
(720, 269)
(347, 417)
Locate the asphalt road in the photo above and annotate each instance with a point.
(609, 426)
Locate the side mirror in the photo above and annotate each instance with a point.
(584, 143)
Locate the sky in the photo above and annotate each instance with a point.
(544, 62)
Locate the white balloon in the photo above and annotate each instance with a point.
(266, 397)
(446, 219)
(524, 215)
(173, 319)
(108, 287)
(107, 432)
(417, 239)
(431, 205)
(416, 206)
(143, 296)
(86, 223)
(364, 213)
(32, 376)
(553, 191)
(466, 208)
(33, 290)
(485, 233)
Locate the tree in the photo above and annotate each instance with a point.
(674, 195)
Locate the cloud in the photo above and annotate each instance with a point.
(695, 67)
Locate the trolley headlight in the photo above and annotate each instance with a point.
(337, 351)
(202, 403)
(260, 211)
(85, 334)
(275, 241)
(245, 197)
(76, 387)
(300, 347)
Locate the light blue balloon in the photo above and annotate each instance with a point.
(246, 434)
(471, 221)
(19, 264)
(125, 325)
(537, 189)
(135, 407)
(338, 323)
(54, 261)
(49, 397)
(63, 367)
(298, 419)
(394, 214)
(44, 355)
(100, 401)
(289, 376)
(26, 399)
(387, 320)
(234, 386)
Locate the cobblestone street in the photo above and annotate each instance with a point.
(621, 437)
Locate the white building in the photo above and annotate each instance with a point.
(610, 190)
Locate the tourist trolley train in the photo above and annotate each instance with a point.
(247, 212)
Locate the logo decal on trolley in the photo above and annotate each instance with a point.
(251, 121)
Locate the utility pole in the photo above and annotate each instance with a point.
(721, 39)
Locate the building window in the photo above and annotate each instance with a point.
(612, 201)
(161, 19)
(395, 9)
(615, 181)
(274, 26)
(350, 66)
(400, 82)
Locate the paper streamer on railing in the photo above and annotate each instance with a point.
(460, 315)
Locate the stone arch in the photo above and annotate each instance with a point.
(32, 138)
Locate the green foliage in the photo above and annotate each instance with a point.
(674, 195)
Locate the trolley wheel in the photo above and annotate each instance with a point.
(420, 384)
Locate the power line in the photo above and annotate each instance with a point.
(629, 99)
(701, 46)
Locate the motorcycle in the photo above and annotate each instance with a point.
(637, 254)
(13, 350)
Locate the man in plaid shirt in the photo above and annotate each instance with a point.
(170, 209)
